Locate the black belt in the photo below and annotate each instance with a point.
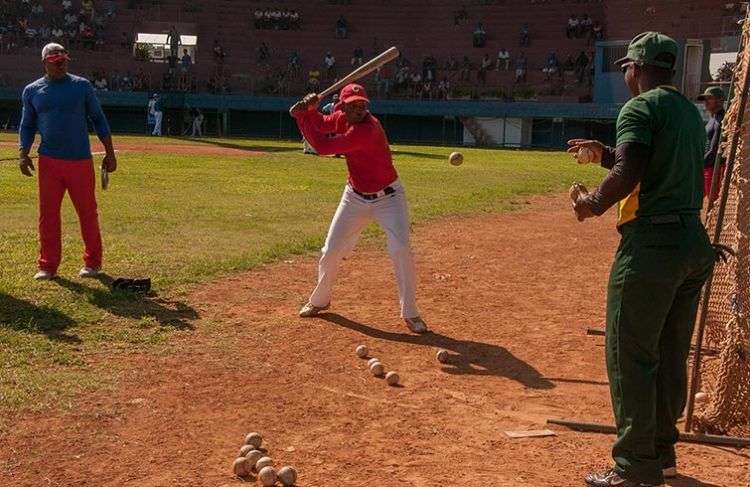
(373, 196)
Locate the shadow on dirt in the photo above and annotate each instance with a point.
(468, 357)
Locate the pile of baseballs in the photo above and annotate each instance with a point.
(253, 460)
(376, 366)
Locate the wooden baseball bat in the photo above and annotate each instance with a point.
(362, 71)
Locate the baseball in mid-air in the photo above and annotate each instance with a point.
(263, 463)
(362, 351)
(456, 158)
(392, 378)
(254, 439)
(287, 476)
(267, 476)
(585, 155)
(442, 356)
(240, 467)
(377, 369)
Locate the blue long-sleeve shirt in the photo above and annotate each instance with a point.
(59, 110)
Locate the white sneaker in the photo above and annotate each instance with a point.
(43, 275)
(89, 272)
(309, 310)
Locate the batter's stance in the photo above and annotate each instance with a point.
(664, 257)
(59, 106)
(373, 192)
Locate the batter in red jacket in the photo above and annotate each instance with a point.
(373, 192)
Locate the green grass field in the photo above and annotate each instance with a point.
(182, 219)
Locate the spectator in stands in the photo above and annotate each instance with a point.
(479, 38)
(383, 81)
(584, 28)
(582, 61)
(186, 61)
(416, 84)
(569, 65)
(521, 65)
(114, 81)
(285, 14)
(258, 18)
(67, 5)
(597, 31)
(313, 80)
(465, 69)
(219, 53)
(444, 88)
(451, 64)
(427, 90)
(342, 29)
(174, 41)
(571, 30)
(295, 20)
(140, 82)
(485, 66)
(358, 57)
(330, 107)
(402, 79)
(524, 41)
(330, 63)
(503, 59)
(37, 10)
(126, 83)
(551, 66)
(429, 67)
(295, 63)
(100, 82)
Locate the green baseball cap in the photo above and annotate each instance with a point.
(645, 48)
(714, 91)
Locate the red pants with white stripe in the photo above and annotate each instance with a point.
(77, 178)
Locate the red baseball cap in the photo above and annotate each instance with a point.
(353, 92)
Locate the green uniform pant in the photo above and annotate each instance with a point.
(654, 290)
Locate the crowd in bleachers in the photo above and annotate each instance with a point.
(277, 19)
(25, 23)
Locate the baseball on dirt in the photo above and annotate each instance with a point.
(267, 476)
(362, 351)
(456, 158)
(372, 361)
(287, 476)
(254, 439)
(245, 449)
(253, 456)
(263, 463)
(700, 397)
(392, 378)
(377, 369)
(241, 467)
(442, 356)
(585, 155)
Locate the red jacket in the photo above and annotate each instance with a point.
(364, 144)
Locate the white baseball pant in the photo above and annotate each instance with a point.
(352, 216)
(157, 123)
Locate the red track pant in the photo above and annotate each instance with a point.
(708, 175)
(77, 177)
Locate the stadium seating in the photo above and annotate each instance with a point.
(375, 25)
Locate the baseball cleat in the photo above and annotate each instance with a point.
(308, 310)
(88, 272)
(611, 478)
(43, 275)
(416, 324)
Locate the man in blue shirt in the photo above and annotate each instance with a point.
(59, 106)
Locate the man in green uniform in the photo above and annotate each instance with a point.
(664, 257)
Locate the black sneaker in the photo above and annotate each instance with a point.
(611, 478)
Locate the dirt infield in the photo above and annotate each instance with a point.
(509, 296)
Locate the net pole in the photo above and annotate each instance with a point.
(695, 378)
